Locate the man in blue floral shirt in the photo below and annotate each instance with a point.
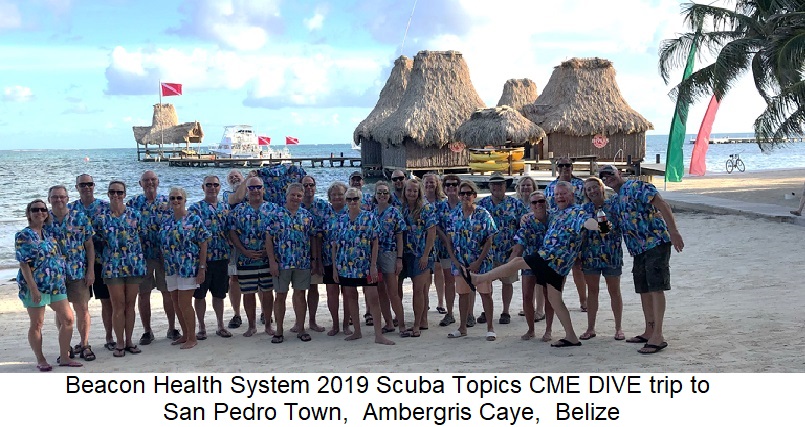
(319, 208)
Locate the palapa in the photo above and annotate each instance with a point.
(439, 97)
(390, 97)
(498, 126)
(166, 129)
(582, 98)
(518, 93)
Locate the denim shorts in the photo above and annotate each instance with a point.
(411, 266)
(604, 271)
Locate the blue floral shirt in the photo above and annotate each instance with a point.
(123, 253)
(507, 215)
(330, 221)
(319, 209)
(71, 233)
(276, 179)
(443, 210)
(531, 234)
(152, 214)
(395, 201)
(602, 251)
(564, 237)
(292, 234)
(641, 223)
(367, 201)
(216, 221)
(95, 209)
(391, 223)
(250, 226)
(577, 183)
(353, 239)
(468, 235)
(180, 240)
(416, 230)
(43, 256)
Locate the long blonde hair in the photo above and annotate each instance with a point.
(420, 200)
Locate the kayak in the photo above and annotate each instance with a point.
(497, 166)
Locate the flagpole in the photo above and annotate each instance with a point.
(161, 126)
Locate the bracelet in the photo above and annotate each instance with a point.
(202, 267)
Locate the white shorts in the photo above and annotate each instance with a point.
(176, 283)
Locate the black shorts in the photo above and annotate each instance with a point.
(99, 288)
(651, 270)
(216, 280)
(544, 273)
(328, 277)
(354, 282)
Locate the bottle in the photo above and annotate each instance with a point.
(603, 223)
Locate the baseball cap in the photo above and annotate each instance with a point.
(608, 169)
(356, 173)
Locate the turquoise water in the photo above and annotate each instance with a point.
(27, 174)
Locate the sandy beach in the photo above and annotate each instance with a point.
(735, 306)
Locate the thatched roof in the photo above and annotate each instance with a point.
(498, 126)
(582, 98)
(438, 99)
(518, 93)
(185, 133)
(390, 97)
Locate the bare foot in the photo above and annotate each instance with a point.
(249, 332)
(332, 332)
(528, 335)
(316, 327)
(546, 337)
(189, 344)
(180, 340)
(270, 331)
(353, 337)
(797, 213)
(348, 332)
(383, 340)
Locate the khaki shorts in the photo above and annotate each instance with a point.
(154, 277)
(509, 280)
(78, 291)
(316, 279)
(299, 278)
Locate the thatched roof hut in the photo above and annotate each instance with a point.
(497, 127)
(166, 129)
(582, 100)
(518, 93)
(439, 97)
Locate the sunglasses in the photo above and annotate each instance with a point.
(255, 187)
(466, 193)
(398, 178)
(86, 184)
(382, 193)
(538, 202)
(179, 198)
(39, 210)
(356, 178)
(117, 192)
(308, 185)
(353, 199)
(212, 184)
(451, 184)
(605, 176)
(564, 165)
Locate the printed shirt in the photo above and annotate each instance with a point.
(602, 251)
(276, 179)
(250, 226)
(180, 240)
(123, 253)
(216, 221)
(442, 214)
(225, 198)
(319, 209)
(367, 201)
(152, 214)
(577, 183)
(95, 209)
(43, 256)
(329, 230)
(641, 223)
(507, 215)
(354, 244)
(531, 234)
(391, 223)
(416, 230)
(292, 233)
(395, 200)
(468, 235)
(564, 237)
(71, 233)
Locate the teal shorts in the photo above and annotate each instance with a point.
(47, 299)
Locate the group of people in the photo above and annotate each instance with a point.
(269, 233)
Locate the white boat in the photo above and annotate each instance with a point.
(241, 142)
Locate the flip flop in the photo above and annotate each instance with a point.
(304, 336)
(277, 339)
(133, 349)
(71, 364)
(456, 334)
(201, 335)
(44, 367)
(585, 336)
(637, 339)
(652, 348)
(441, 310)
(537, 318)
(111, 345)
(491, 336)
(388, 329)
(369, 320)
(465, 274)
(223, 333)
(619, 336)
(405, 334)
(565, 343)
(119, 352)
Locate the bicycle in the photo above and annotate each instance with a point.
(735, 162)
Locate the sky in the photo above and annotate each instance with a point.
(81, 73)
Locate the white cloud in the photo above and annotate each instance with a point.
(17, 94)
(316, 22)
(10, 17)
(236, 24)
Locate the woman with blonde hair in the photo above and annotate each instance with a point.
(434, 194)
(390, 260)
(443, 208)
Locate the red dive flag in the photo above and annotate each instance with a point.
(697, 159)
(289, 140)
(264, 140)
(171, 89)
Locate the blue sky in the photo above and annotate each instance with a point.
(81, 73)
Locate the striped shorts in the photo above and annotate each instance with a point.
(252, 278)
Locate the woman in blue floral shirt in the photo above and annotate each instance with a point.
(123, 262)
(390, 242)
(335, 194)
(41, 282)
(355, 261)
(184, 252)
(420, 220)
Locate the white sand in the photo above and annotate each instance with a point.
(735, 306)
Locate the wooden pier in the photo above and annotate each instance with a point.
(203, 161)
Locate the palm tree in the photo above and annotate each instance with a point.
(764, 36)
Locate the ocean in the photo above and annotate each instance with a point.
(27, 174)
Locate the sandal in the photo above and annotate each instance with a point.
(44, 367)
(201, 335)
(111, 345)
(405, 334)
(119, 352)
(277, 339)
(369, 319)
(304, 336)
(133, 349)
(87, 354)
(235, 322)
(465, 274)
(71, 364)
(388, 329)
(223, 333)
(441, 310)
